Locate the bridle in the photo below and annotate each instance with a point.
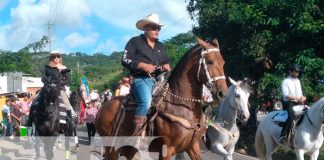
(209, 84)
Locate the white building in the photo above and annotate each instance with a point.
(19, 82)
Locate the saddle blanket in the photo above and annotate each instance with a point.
(63, 114)
(282, 116)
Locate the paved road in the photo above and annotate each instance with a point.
(13, 150)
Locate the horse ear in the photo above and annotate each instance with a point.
(232, 81)
(202, 43)
(215, 43)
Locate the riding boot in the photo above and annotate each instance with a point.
(139, 122)
(139, 130)
(286, 129)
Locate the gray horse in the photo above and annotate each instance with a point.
(223, 133)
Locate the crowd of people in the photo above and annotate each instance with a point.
(15, 113)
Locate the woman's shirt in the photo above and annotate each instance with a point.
(56, 76)
(90, 114)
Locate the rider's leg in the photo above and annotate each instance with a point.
(69, 109)
(286, 128)
(142, 90)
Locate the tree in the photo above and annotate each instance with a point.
(178, 45)
(259, 39)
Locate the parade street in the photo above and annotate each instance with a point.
(13, 150)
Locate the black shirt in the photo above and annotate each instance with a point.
(138, 50)
(54, 75)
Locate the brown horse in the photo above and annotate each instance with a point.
(179, 121)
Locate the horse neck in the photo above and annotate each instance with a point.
(227, 113)
(314, 114)
(184, 83)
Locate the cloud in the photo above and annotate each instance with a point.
(125, 14)
(30, 18)
(75, 22)
(75, 40)
(108, 46)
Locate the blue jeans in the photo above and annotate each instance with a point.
(142, 90)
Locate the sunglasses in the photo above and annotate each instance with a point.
(53, 56)
(153, 27)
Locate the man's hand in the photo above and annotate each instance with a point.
(148, 68)
(166, 67)
(302, 99)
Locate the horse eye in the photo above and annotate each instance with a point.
(209, 62)
(237, 96)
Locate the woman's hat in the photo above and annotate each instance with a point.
(87, 101)
(55, 52)
(150, 19)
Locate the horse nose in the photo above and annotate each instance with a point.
(221, 94)
(243, 116)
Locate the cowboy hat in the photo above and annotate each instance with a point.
(150, 19)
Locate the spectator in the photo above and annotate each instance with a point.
(107, 95)
(15, 115)
(25, 107)
(124, 87)
(5, 118)
(90, 115)
(117, 91)
(94, 95)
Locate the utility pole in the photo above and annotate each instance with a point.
(49, 33)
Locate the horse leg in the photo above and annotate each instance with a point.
(300, 154)
(170, 151)
(48, 148)
(230, 153)
(270, 146)
(314, 154)
(76, 140)
(218, 149)
(194, 151)
(180, 156)
(67, 147)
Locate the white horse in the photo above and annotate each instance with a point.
(308, 136)
(223, 134)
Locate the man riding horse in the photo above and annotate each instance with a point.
(57, 74)
(292, 96)
(143, 56)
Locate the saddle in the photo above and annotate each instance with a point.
(281, 117)
(159, 91)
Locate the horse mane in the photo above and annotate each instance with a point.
(50, 94)
(183, 59)
(245, 86)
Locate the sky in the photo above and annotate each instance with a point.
(88, 26)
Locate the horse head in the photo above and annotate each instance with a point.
(51, 93)
(211, 69)
(238, 96)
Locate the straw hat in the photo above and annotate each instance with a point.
(150, 19)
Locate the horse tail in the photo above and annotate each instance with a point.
(259, 144)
